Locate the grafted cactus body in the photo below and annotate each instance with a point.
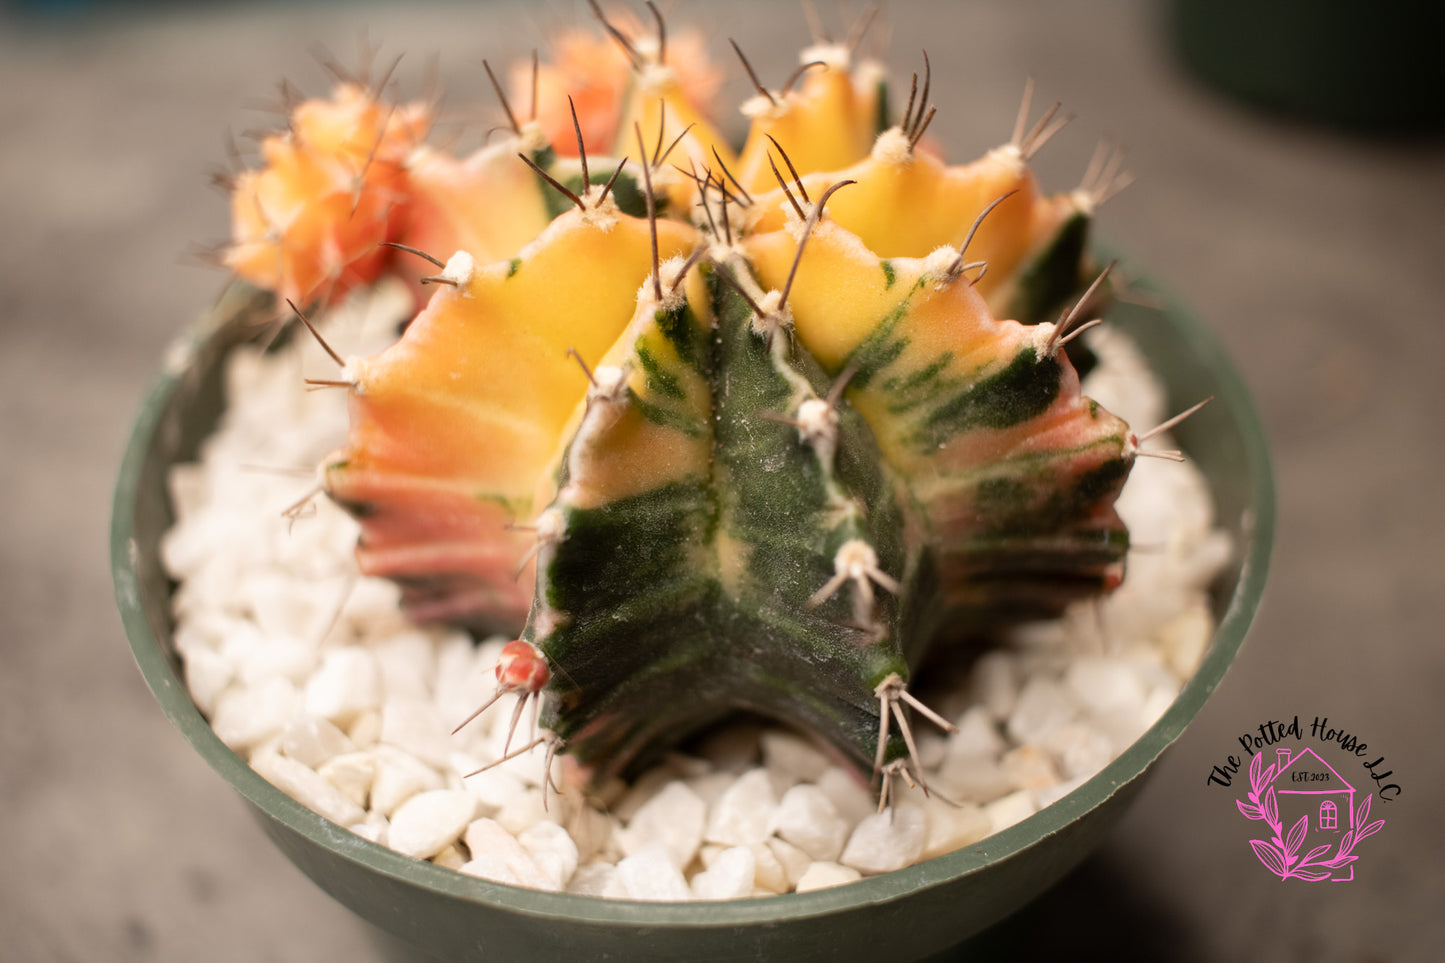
(727, 439)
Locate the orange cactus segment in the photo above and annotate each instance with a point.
(490, 204)
(308, 223)
(454, 424)
(595, 72)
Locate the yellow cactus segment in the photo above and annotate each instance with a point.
(840, 290)
(907, 204)
(490, 205)
(924, 318)
(658, 100)
(826, 124)
(481, 385)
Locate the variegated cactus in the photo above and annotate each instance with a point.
(711, 431)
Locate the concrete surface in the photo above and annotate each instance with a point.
(1316, 257)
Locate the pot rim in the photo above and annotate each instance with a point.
(161, 675)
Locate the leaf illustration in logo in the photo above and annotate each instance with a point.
(1313, 875)
(1267, 854)
(1271, 807)
(1250, 812)
(1370, 830)
(1315, 853)
(1256, 771)
(1362, 812)
(1339, 861)
(1296, 836)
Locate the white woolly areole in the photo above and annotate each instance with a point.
(792, 223)
(817, 421)
(669, 277)
(532, 138)
(772, 314)
(351, 372)
(550, 525)
(647, 49)
(835, 55)
(1010, 155)
(758, 106)
(869, 74)
(602, 212)
(459, 271)
(609, 382)
(1085, 201)
(939, 263)
(656, 78)
(892, 147)
(856, 559)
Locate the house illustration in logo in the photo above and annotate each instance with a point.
(1305, 785)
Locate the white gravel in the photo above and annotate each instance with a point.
(310, 672)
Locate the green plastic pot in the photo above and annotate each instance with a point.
(903, 915)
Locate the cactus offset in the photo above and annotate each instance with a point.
(752, 436)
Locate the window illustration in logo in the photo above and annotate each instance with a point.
(1325, 820)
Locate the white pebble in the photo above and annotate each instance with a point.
(1160, 698)
(1104, 684)
(995, 683)
(650, 875)
(977, 779)
(729, 877)
(1043, 705)
(278, 656)
(351, 773)
(408, 665)
(790, 758)
(1049, 795)
(428, 822)
(1013, 808)
(495, 790)
(952, 827)
(247, 716)
(597, 879)
(1080, 750)
(498, 856)
(1029, 767)
(312, 741)
(807, 818)
(307, 787)
(207, 675)
(886, 841)
(416, 727)
(768, 871)
(554, 852)
(794, 861)
(744, 814)
(399, 776)
(348, 683)
(673, 818)
(977, 735)
(826, 875)
(451, 858)
(374, 827)
(524, 812)
(846, 790)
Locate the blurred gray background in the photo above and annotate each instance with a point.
(1316, 256)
